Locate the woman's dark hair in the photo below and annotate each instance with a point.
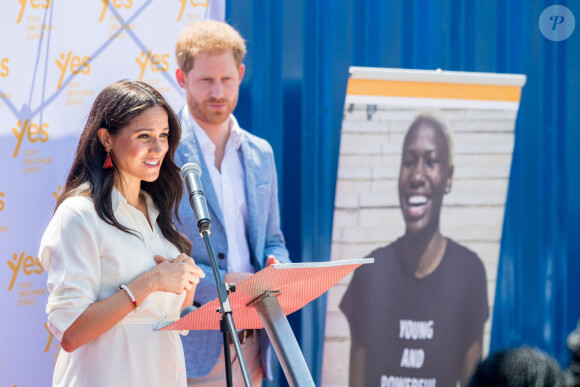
(113, 109)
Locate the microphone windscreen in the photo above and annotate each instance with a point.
(190, 167)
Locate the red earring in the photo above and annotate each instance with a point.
(108, 162)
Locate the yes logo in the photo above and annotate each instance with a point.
(154, 61)
(4, 70)
(195, 3)
(33, 131)
(1, 201)
(50, 337)
(117, 4)
(74, 63)
(56, 193)
(34, 4)
(28, 265)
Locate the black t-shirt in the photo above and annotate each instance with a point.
(416, 330)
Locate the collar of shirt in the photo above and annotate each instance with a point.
(117, 200)
(228, 184)
(235, 138)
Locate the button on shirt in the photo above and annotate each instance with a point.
(230, 188)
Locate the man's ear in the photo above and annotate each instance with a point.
(241, 71)
(180, 76)
(104, 137)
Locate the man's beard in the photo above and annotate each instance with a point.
(202, 112)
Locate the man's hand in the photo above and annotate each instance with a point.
(271, 261)
(239, 277)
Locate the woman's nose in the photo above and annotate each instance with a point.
(418, 173)
(155, 145)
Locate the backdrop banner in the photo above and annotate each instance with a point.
(55, 57)
(480, 110)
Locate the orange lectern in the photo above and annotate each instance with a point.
(263, 301)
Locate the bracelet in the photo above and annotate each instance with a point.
(133, 300)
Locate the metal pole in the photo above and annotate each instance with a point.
(226, 311)
(284, 341)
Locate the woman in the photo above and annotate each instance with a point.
(416, 315)
(115, 260)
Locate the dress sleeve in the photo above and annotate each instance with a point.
(69, 253)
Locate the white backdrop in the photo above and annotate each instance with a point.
(55, 57)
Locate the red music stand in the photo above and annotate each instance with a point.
(265, 299)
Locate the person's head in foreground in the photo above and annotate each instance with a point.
(518, 367)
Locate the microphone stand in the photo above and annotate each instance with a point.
(227, 322)
(190, 174)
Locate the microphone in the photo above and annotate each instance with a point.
(191, 173)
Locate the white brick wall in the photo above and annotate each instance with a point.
(367, 213)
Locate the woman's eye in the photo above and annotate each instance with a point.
(432, 162)
(408, 161)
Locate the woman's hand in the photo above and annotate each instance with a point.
(170, 275)
(176, 275)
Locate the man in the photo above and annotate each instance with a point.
(240, 183)
(417, 314)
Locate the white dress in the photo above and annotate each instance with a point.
(87, 260)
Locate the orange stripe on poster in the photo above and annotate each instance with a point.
(375, 87)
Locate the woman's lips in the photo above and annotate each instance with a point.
(417, 205)
(152, 163)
